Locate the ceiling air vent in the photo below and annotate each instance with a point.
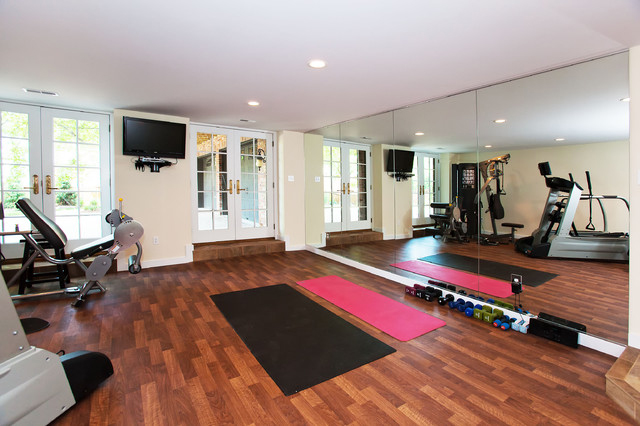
(40, 92)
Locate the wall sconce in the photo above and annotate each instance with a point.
(261, 158)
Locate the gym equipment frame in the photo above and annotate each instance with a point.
(127, 233)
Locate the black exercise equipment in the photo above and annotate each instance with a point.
(127, 233)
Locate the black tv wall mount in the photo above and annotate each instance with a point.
(154, 164)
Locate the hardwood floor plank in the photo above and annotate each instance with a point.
(178, 360)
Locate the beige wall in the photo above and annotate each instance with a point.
(526, 190)
(161, 201)
(634, 188)
(291, 186)
(313, 194)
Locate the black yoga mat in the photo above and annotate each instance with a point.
(31, 325)
(489, 268)
(298, 342)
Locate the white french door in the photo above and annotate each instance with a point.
(347, 195)
(60, 160)
(233, 184)
(425, 188)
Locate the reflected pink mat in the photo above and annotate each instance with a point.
(394, 318)
(456, 277)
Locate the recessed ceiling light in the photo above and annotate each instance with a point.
(500, 121)
(625, 99)
(246, 120)
(559, 139)
(317, 63)
(419, 133)
(40, 92)
(488, 146)
(253, 103)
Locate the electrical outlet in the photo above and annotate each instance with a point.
(156, 240)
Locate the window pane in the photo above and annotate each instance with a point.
(89, 155)
(64, 154)
(64, 130)
(89, 132)
(89, 203)
(15, 125)
(89, 179)
(15, 151)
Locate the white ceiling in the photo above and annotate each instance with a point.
(205, 59)
(579, 103)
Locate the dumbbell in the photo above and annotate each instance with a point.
(443, 300)
(490, 315)
(504, 322)
(454, 305)
(418, 287)
(462, 292)
(451, 287)
(432, 295)
(437, 283)
(463, 307)
(410, 291)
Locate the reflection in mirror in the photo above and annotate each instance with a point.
(414, 214)
(572, 119)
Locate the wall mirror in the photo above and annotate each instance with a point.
(571, 117)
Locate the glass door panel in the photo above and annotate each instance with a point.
(214, 214)
(357, 188)
(332, 171)
(77, 144)
(424, 188)
(253, 189)
(19, 168)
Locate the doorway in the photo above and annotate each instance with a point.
(233, 184)
(60, 160)
(347, 187)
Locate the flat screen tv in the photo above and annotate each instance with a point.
(151, 138)
(400, 161)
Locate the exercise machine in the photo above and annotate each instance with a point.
(126, 234)
(492, 170)
(36, 385)
(557, 235)
(468, 193)
(449, 223)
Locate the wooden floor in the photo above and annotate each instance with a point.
(178, 362)
(594, 293)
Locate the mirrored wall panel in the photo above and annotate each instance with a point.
(524, 180)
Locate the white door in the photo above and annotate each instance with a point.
(60, 160)
(425, 188)
(233, 184)
(347, 189)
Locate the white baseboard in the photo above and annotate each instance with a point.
(123, 263)
(634, 340)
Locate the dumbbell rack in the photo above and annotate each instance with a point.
(502, 315)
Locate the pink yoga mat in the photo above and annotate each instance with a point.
(453, 276)
(394, 318)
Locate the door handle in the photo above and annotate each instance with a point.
(36, 185)
(47, 180)
(230, 187)
(238, 189)
(344, 191)
(348, 188)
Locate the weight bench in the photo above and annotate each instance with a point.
(126, 234)
(513, 227)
